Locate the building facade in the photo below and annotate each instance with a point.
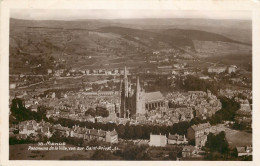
(244, 115)
(158, 140)
(199, 133)
(177, 139)
(112, 136)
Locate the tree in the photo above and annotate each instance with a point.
(192, 142)
(227, 112)
(95, 87)
(56, 136)
(192, 83)
(20, 113)
(90, 111)
(133, 152)
(217, 143)
(100, 111)
(138, 132)
(121, 130)
(129, 132)
(103, 155)
(172, 155)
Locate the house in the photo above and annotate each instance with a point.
(19, 136)
(49, 71)
(65, 131)
(34, 108)
(11, 130)
(27, 130)
(87, 72)
(204, 77)
(112, 136)
(232, 69)
(53, 95)
(177, 139)
(244, 151)
(156, 52)
(94, 71)
(188, 151)
(88, 134)
(28, 127)
(142, 143)
(158, 140)
(217, 69)
(201, 141)
(199, 133)
(116, 71)
(198, 130)
(244, 115)
(78, 132)
(185, 114)
(58, 72)
(97, 134)
(12, 85)
(90, 118)
(82, 71)
(46, 132)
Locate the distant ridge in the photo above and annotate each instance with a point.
(236, 30)
(199, 35)
(130, 33)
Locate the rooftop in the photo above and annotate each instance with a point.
(241, 149)
(112, 133)
(200, 126)
(189, 148)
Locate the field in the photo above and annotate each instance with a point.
(196, 63)
(236, 137)
(219, 48)
(231, 59)
(239, 138)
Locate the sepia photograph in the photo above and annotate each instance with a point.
(143, 85)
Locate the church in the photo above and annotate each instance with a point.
(135, 101)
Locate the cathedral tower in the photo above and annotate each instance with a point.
(125, 83)
(124, 95)
(140, 100)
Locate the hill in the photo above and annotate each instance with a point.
(86, 43)
(239, 30)
(198, 35)
(139, 35)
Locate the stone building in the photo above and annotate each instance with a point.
(232, 69)
(112, 136)
(137, 101)
(158, 140)
(216, 69)
(177, 139)
(199, 133)
(244, 115)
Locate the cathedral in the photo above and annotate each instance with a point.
(135, 101)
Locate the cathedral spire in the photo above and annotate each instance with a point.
(125, 82)
(125, 74)
(138, 85)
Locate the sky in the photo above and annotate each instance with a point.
(72, 14)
